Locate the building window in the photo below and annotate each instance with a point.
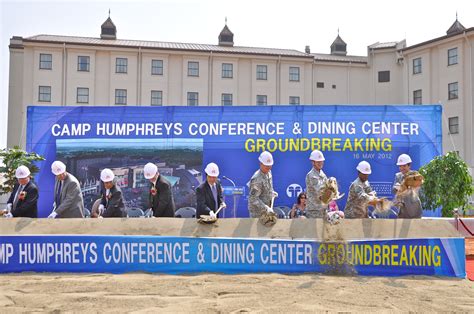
(193, 99)
(453, 90)
(294, 100)
(417, 100)
(44, 93)
(46, 61)
(121, 65)
(416, 65)
(261, 100)
(156, 67)
(453, 125)
(120, 96)
(226, 99)
(384, 76)
(227, 70)
(193, 68)
(320, 84)
(333, 86)
(294, 74)
(261, 72)
(83, 63)
(452, 56)
(156, 98)
(82, 95)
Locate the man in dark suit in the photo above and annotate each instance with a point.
(209, 193)
(160, 195)
(68, 202)
(24, 198)
(112, 204)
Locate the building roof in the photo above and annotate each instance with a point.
(467, 30)
(108, 29)
(56, 39)
(193, 172)
(339, 47)
(226, 31)
(339, 58)
(226, 37)
(108, 23)
(172, 180)
(338, 41)
(457, 27)
(379, 45)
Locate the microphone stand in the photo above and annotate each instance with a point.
(233, 183)
(234, 207)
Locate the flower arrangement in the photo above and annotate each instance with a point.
(153, 191)
(22, 196)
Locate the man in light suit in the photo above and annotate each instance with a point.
(160, 196)
(409, 201)
(209, 193)
(24, 198)
(68, 202)
(112, 203)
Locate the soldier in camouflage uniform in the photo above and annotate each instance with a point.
(315, 181)
(261, 187)
(409, 201)
(360, 194)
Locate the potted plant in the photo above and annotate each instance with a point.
(448, 184)
(11, 159)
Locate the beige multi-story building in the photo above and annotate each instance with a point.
(106, 71)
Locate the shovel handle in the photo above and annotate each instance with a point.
(219, 209)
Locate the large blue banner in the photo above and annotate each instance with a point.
(182, 140)
(120, 254)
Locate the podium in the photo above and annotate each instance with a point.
(234, 193)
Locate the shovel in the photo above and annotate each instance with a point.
(206, 219)
(268, 219)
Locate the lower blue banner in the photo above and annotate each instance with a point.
(175, 255)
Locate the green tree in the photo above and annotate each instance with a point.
(448, 184)
(13, 158)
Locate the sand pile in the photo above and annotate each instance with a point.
(348, 229)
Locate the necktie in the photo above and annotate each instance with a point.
(15, 201)
(107, 192)
(58, 193)
(214, 193)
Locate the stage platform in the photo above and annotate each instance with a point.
(381, 247)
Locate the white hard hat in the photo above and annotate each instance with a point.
(22, 172)
(58, 167)
(403, 159)
(107, 175)
(212, 170)
(364, 167)
(316, 155)
(266, 158)
(150, 170)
